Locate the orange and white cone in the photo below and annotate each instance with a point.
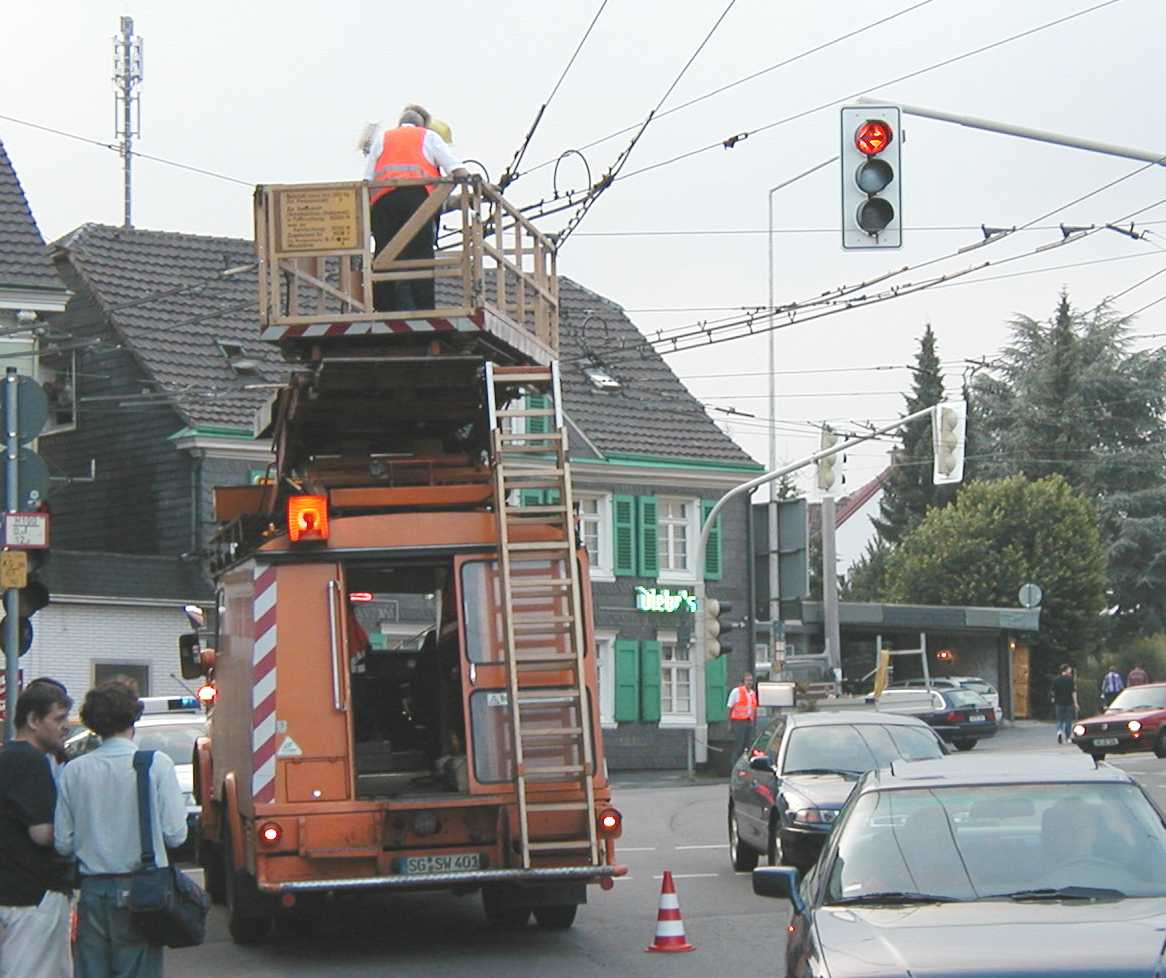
(669, 926)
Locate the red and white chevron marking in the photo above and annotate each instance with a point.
(263, 687)
(380, 327)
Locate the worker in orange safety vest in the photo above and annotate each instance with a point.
(410, 150)
(743, 713)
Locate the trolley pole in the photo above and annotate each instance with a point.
(11, 594)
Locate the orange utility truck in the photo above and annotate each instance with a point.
(403, 652)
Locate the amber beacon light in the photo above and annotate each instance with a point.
(307, 518)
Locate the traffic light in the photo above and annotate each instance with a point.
(33, 596)
(829, 468)
(714, 627)
(871, 177)
(949, 423)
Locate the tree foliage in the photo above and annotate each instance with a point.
(867, 578)
(1070, 397)
(909, 491)
(999, 535)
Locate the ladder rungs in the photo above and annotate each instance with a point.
(558, 806)
(535, 587)
(539, 545)
(540, 511)
(559, 734)
(554, 771)
(523, 375)
(550, 693)
(520, 619)
(527, 413)
(563, 844)
(525, 436)
(534, 483)
(540, 659)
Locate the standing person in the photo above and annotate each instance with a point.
(97, 823)
(1065, 703)
(409, 150)
(1111, 685)
(34, 880)
(1138, 676)
(743, 713)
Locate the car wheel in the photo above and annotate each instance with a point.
(500, 912)
(774, 853)
(245, 929)
(556, 918)
(743, 855)
(1160, 745)
(964, 744)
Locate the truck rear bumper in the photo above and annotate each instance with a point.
(474, 877)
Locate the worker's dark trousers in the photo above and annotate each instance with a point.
(389, 215)
(742, 736)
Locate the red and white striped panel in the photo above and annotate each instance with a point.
(380, 327)
(263, 687)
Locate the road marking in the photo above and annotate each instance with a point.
(637, 848)
(689, 876)
(713, 845)
(623, 879)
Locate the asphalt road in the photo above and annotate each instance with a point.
(669, 824)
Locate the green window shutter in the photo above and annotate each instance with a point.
(715, 693)
(649, 542)
(712, 553)
(650, 682)
(627, 680)
(530, 497)
(537, 426)
(624, 530)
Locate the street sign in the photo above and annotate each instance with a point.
(1030, 595)
(32, 409)
(26, 531)
(33, 477)
(13, 568)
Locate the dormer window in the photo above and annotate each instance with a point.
(237, 359)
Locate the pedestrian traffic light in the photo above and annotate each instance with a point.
(32, 597)
(714, 627)
(871, 177)
(949, 422)
(829, 468)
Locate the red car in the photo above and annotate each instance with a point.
(1135, 720)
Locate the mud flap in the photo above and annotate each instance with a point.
(538, 895)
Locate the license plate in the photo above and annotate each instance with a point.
(976, 717)
(1104, 741)
(412, 865)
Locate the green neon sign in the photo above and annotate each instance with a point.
(665, 600)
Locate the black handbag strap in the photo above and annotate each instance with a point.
(142, 761)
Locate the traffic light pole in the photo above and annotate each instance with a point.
(699, 626)
(11, 595)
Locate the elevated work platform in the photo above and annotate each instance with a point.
(493, 272)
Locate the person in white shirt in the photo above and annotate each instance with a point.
(97, 824)
(408, 151)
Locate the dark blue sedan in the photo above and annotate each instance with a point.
(1000, 866)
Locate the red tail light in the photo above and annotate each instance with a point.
(990, 713)
(270, 833)
(610, 823)
(207, 694)
(955, 716)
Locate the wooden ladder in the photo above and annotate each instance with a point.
(551, 710)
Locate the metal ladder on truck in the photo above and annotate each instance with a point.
(542, 607)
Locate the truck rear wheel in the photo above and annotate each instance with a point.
(556, 918)
(245, 928)
(214, 876)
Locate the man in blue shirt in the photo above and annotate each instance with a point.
(1111, 685)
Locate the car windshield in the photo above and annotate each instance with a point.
(173, 739)
(965, 697)
(856, 747)
(981, 842)
(1139, 698)
(977, 686)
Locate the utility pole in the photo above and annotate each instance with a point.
(11, 594)
(127, 75)
(833, 634)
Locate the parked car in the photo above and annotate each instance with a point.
(959, 716)
(787, 789)
(1005, 864)
(170, 724)
(974, 683)
(1134, 721)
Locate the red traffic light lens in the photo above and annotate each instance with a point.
(873, 136)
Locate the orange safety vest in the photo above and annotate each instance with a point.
(402, 157)
(746, 706)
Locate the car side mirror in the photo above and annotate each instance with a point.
(780, 882)
(763, 762)
(190, 656)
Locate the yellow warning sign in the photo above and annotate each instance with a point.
(13, 568)
(319, 219)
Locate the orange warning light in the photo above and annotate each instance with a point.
(307, 518)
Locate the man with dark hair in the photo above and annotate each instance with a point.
(1065, 703)
(34, 881)
(97, 824)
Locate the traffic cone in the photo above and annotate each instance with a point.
(669, 926)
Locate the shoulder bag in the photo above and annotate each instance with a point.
(166, 906)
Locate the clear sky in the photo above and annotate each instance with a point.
(277, 92)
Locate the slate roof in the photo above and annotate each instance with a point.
(174, 335)
(23, 261)
(92, 574)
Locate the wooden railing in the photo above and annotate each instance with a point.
(316, 265)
